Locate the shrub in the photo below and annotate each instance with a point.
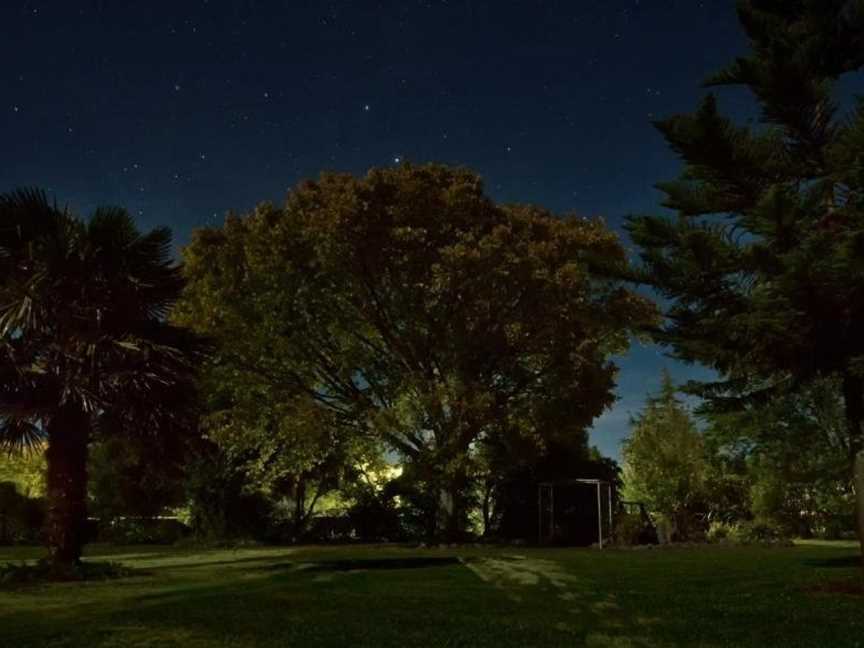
(21, 517)
(221, 509)
(720, 531)
(756, 532)
(628, 529)
(633, 529)
(12, 574)
(132, 531)
(374, 518)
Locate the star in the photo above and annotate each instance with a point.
(397, 159)
(177, 87)
(367, 108)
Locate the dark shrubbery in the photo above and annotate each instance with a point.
(748, 532)
(633, 529)
(374, 518)
(132, 531)
(13, 575)
(21, 518)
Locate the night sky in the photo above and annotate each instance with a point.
(183, 110)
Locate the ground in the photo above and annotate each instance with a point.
(392, 596)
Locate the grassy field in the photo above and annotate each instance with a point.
(391, 596)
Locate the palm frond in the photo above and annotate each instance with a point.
(20, 435)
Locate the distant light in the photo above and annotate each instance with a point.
(397, 159)
(367, 107)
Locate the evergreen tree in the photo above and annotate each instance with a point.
(664, 461)
(764, 264)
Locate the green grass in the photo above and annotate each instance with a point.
(391, 596)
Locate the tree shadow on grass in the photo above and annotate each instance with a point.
(179, 563)
(365, 564)
(844, 562)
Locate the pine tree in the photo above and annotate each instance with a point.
(764, 263)
(664, 461)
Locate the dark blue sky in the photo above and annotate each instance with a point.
(181, 111)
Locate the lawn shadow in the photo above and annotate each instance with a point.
(365, 564)
(844, 562)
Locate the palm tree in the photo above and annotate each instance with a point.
(85, 348)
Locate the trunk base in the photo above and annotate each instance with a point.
(66, 488)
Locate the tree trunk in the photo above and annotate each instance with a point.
(487, 509)
(853, 399)
(299, 507)
(66, 479)
(451, 508)
(859, 499)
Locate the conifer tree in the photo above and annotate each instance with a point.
(764, 263)
(664, 460)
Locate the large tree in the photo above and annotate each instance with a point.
(764, 264)
(84, 346)
(409, 306)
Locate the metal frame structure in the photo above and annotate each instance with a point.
(549, 486)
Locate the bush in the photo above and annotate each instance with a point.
(632, 529)
(132, 531)
(12, 574)
(719, 532)
(220, 507)
(629, 530)
(374, 518)
(21, 518)
(756, 532)
(330, 528)
(834, 527)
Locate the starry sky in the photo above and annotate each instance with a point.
(183, 110)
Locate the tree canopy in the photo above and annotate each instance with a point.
(408, 306)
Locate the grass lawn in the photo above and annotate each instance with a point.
(392, 596)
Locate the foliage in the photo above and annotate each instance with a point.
(135, 477)
(12, 575)
(143, 531)
(629, 530)
(762, 266)
(26, 470)
(728, 484)
(664, 462)
(221, 505)
(374, 517)
(84, 347)
(21, 517)
(408, 307)
(806, 493)
(746, 532)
